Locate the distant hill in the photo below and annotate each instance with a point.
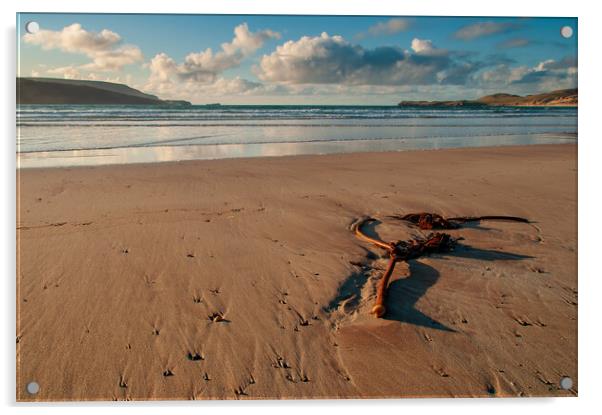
(561, 97)
(71, 91)
(566, 97)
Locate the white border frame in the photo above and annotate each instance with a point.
(590, 34)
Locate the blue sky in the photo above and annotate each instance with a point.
(303, 59)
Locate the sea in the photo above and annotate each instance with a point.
(89, 135)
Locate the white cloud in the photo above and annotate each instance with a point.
(103, 48)
(162, 68)
(547, 75)
(422, 46)
(544, 65)
(390, 27)
(502, 75)
(115, 60)
(329, 59)
(482, 29)
(206, 65)
(74, 39)
(247, 42)
(194, 91)
(200, 73)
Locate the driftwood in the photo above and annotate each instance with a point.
(414, 248)
(401, 251)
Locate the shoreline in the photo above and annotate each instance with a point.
(565, 137)
(121, 267)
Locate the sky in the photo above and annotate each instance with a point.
(276, 59)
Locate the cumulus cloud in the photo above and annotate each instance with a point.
(162, 68)
(390, 27)
(482, 29)
(169, 79)
(103, 48)
(546, 75)
(552, 74)
(501, 75)
(200, 72)
(74, 39)
(197, 91)
(204, 66)
(329, 59)
(247, 42)
(422, 46)
(116, 59)
(567, 62)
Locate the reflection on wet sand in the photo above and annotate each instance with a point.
(128, 155)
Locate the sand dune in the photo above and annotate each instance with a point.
(122, 271)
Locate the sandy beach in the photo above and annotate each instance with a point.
(122, 269)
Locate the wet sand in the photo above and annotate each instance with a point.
(121, 270)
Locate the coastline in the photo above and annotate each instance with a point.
(153, 155)
(124, 264)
